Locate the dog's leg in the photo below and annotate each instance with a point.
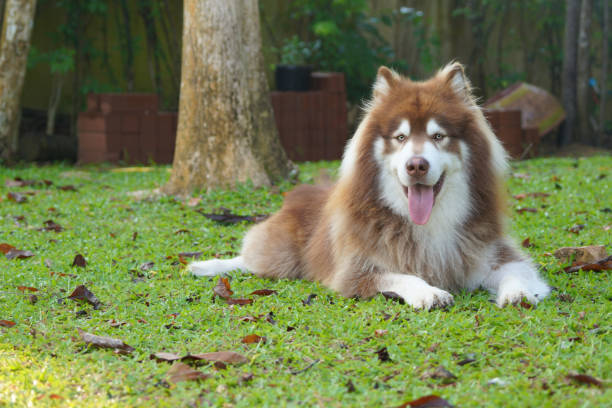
(415, 291)
(214, 267)
(514, 281)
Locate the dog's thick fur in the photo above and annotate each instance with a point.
(377, 230)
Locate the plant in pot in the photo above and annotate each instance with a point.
(293, 72)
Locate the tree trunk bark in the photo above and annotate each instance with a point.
(14, 45)
(568, 91)
(146, 14)
(226, 130)
(585, 134)
(604, 73)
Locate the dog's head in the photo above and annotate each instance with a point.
(428, 140)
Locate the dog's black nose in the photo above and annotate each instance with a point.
(417, 167)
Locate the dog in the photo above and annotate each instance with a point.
(418, 208)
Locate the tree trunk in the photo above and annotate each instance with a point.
(604, 73)
(14, 45)
(585, 134)
(568, 91)
(226, 130)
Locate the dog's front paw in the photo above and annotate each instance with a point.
(512, 291)
(429, 298)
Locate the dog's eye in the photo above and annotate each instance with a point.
(401, 137)
(438, 136)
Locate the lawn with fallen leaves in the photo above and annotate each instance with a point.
(97, 309)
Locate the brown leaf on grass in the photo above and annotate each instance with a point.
(105, 342)
(222, 289)
(229, 357)
(5, 248)
(70, 275)
(604, 264)
(576, 228)
(146, 266)
(584, 254)
(68, 187)
(79, 260)
(380, 332)
(383, 354)
(263, 292)
(226, 217)
(181, 231)
(440, 373)
(164, 356)
(253, 338)
(524, 176)
(585, 379)
(430, 401)
(393, 296)
(182, 372)
(27, 288)
(536, 194)
(134, 235)
(19, 254)
(527, 243)
(7, 323)
(81, 293)
(51, 225)
(195, 255)
(16, 197)
(521, 210)
(19, 182)
(350, 387)
(239, 301)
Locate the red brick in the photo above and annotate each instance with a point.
(92, 141)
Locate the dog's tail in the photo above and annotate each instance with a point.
(214, 267)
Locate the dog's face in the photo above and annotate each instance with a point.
(425, 136)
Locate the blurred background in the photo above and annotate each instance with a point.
(80, 47)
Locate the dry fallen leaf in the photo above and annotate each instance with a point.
(5, 248)
(105, 342)
(164, 356)
(585, 254)
(604, 264)
(263, 292)
(19, 254)
(220, 356)
(380, 332)
(79, 260)
(222, 289)
(430, 401)
(585, 379)
(7, 323)
(253, 338)
(182, 372)
(82, 293)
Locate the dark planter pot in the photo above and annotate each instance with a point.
(292, 77)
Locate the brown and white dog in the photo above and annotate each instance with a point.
(418, 208)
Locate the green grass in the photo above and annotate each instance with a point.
(531, 350)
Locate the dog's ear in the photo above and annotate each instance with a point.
(454, 75)
(385, 80)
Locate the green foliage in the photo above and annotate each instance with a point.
(60, 60)
(344, 38)
(165, 309)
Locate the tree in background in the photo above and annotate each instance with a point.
(14, 45)
(583, 65)
(226, 130)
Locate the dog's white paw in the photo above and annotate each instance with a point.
(429, 298)
(512, 291)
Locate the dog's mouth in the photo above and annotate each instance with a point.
(421, 199)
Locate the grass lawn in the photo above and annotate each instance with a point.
(318, 354)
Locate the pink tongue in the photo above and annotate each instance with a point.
(420, 203)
